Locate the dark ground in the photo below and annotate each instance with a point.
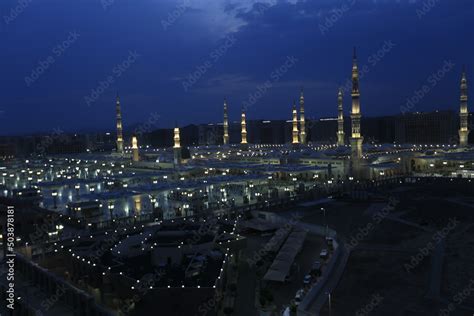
(381, 277)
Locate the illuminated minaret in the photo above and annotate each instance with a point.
(295, 132)
(302, 120)
(463, 113)
(119, 126)
(135, 154)
(356, 139)
(243, 124)
(177, 146)
(340, 119)
(226, 124)
(138, 204)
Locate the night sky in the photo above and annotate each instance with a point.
(62, 62)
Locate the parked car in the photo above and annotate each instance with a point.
(330, 242)
(307, 279)
(299, 296)
(324, 253)
(316, 268)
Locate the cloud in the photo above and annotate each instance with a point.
(223, 17)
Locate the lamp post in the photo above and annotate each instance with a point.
(153, 202)
(55, 198)
(59, 229)
(77, 187)
(111, 210)
(329, 301)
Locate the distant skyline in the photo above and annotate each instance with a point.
(63, 62)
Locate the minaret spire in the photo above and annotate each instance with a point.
(295, 132)
(243, 125)
(356, 139)
(226, 124)
(135, 152)
(118, 113)
(176, 138)
(302, 119)
(177, 145)
(463, 112)
(340, 119)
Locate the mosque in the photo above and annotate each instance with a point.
(348, 159)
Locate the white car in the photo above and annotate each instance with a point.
(299, 296)
(307, 279)
(324, 253)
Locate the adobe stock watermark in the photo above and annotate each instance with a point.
(56, 135)
(211, 304)
(117, 71)
(49, 302)
(370, 226)
(147, 127)
(335, 16)
(426, 7)
(174, 15)
(41, 232)
(213, 58)
(458, 299)
(10, 257)
(430, 246)
(143, 286)
(431, 82)
(275, 76)
(372, 61)
(374, 302)
(57, 51)
(106, 4)
(16, 11)
(108, 243)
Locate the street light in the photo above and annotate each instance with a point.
(111, 209)
(153, 202)
(77, 187)
(55, 197)
(329, 301)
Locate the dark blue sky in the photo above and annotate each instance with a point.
(233, 48)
